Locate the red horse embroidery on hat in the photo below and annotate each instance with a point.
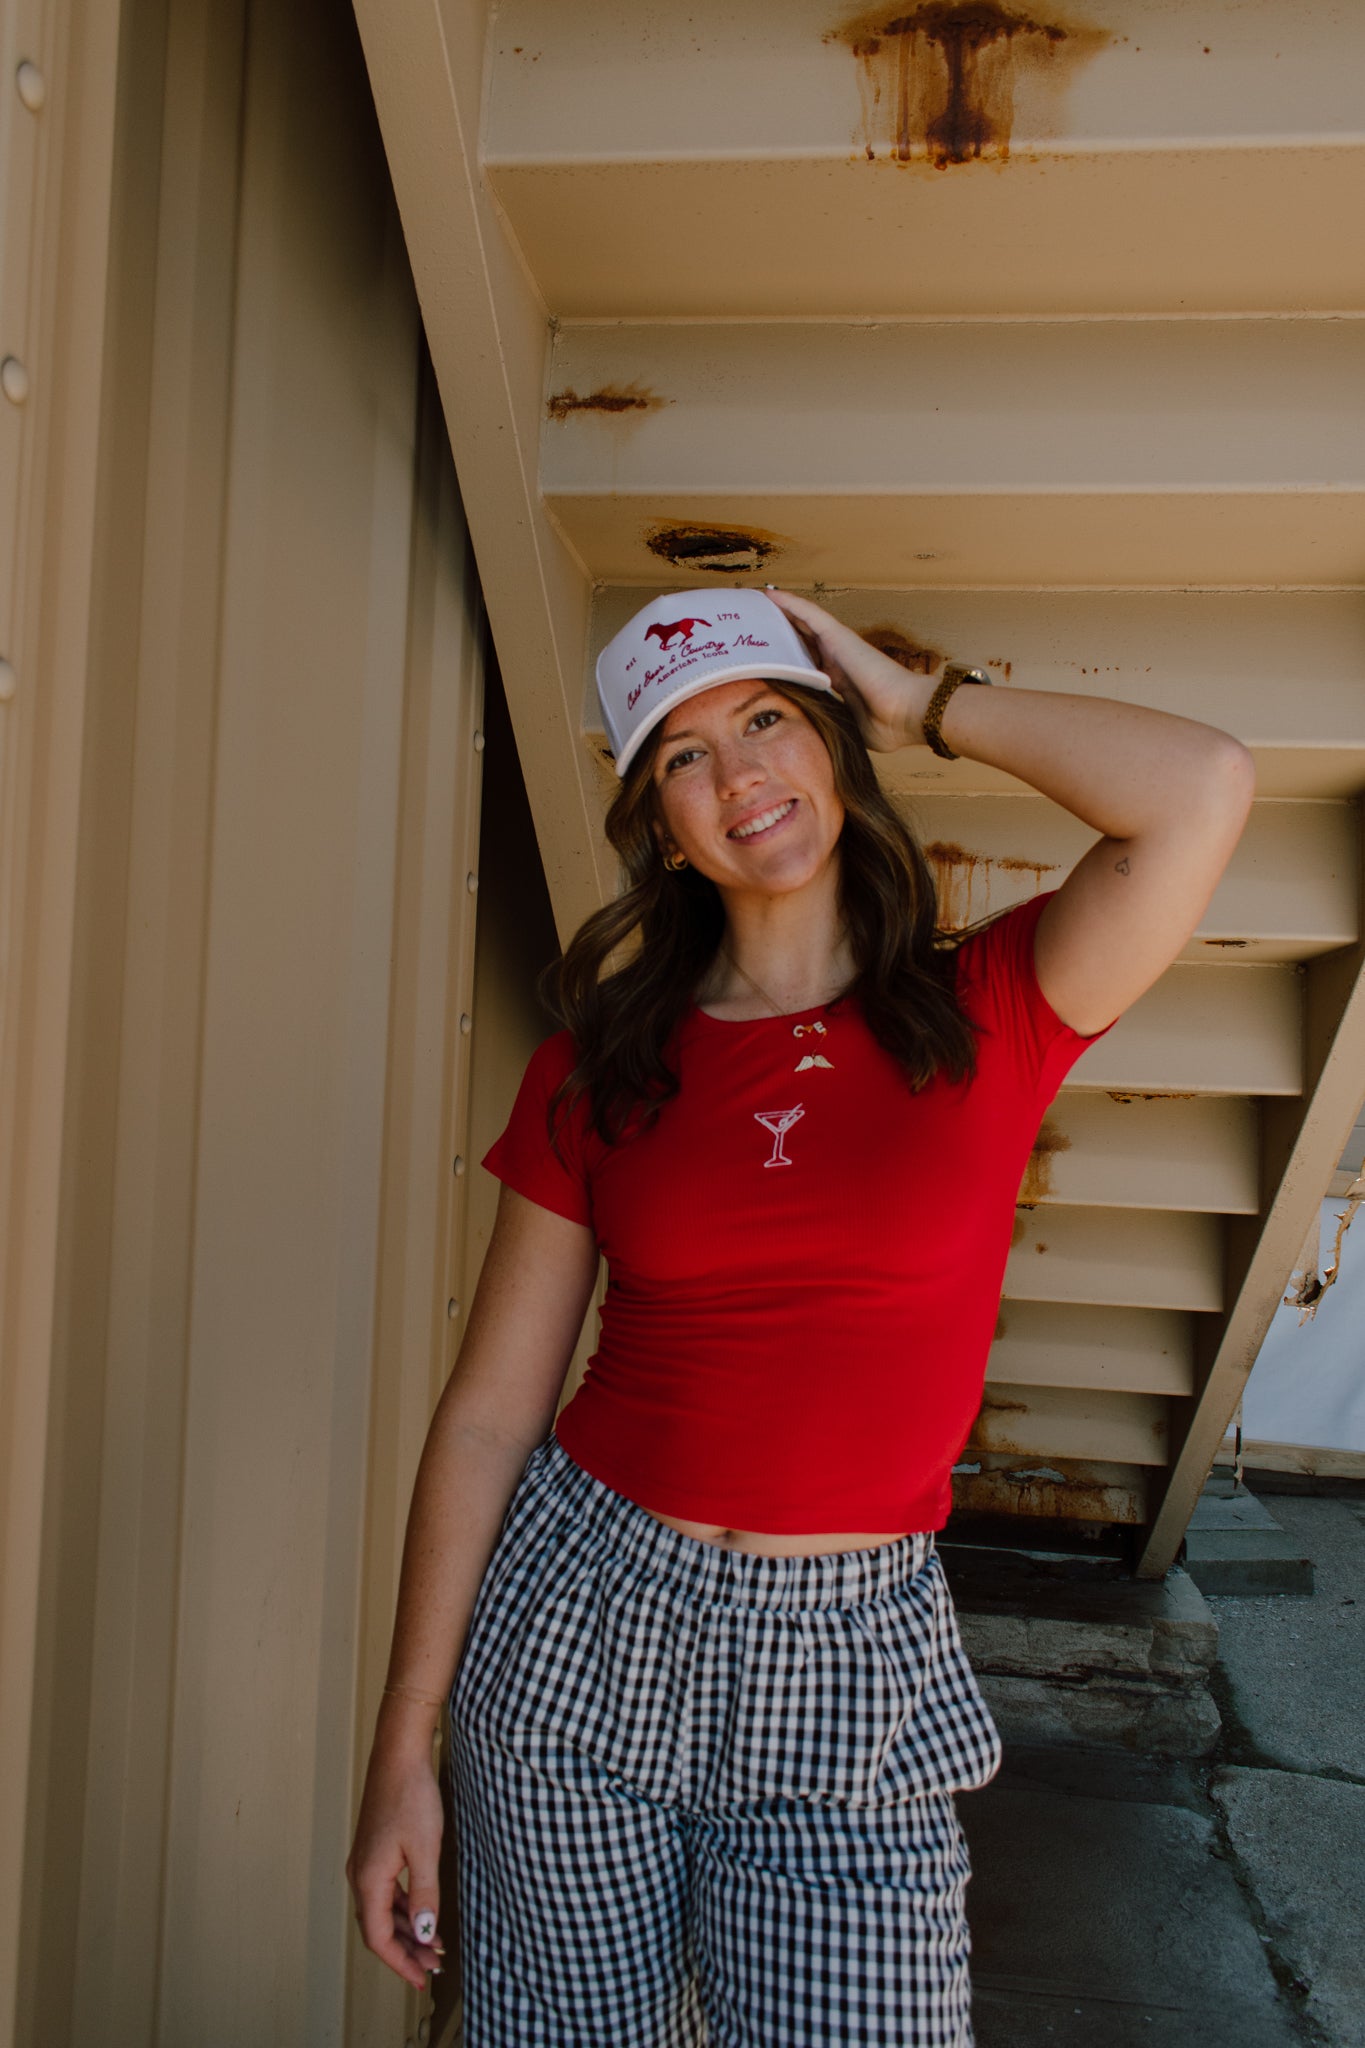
(680, 628)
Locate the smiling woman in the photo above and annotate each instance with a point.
(830, 889)
(722, 751)
(710, 1706)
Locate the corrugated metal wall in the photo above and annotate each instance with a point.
(263, 1245)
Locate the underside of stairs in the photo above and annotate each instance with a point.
(1025, 339)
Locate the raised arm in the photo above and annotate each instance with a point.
(498, 1404)
(1169, 797)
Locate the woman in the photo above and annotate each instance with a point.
(712, 1710)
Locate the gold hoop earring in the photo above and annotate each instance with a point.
(675, 861)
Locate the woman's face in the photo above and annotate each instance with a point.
(745, 788)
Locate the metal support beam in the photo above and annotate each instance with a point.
(489, 337)
(1308, 1147)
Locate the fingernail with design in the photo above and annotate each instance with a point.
(424, 1927)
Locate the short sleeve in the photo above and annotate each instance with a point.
(554, 1175)
(998, 981)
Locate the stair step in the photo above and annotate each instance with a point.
(1112, 1350)
(1084, 452)
(1072, 1422)
(1218, 1512)
(739, 161)
(1051, 1489)
(1225, 1030)
(1071, 1650)
(1248, 1562)
(1281, 669)
(1290, 891)
(1235, 1545)
(1159, 1153)
(1124, 1258)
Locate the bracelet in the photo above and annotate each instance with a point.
(938, 704)
(404, 1692)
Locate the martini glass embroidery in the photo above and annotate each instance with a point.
(779, 1122)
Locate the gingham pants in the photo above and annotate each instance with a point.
(707, 1797)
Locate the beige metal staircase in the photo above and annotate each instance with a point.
(1020, 339)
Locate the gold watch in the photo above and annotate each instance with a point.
(953, 676)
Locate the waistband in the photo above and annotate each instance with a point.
(707, 1573)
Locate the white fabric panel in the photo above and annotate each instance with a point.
(1308, 1383)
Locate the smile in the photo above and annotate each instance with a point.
(764, 821)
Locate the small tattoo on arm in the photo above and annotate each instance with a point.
(1123, 867)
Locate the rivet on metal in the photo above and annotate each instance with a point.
(453, 1310)
(9, 681)
(459, 1164)
(32, 86)
(466, 1023)
(14, 380)
(471, 883)
(478, 743)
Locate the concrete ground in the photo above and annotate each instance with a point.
(1121, 1899)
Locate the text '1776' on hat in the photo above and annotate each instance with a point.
(679, 646)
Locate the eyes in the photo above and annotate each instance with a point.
(684, 757)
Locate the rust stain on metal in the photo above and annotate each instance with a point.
(900, 647)
(1036, 1185)
(1153, 1095)
(961, 875)
(714, 550)
(1049, 1493)
(608, 398)
(937, 83)
(1017, 1233)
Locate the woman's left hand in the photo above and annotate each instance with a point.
(887, 701)
(1168, 797)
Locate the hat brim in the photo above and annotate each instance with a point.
(767, 672)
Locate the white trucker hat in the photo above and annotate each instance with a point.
(688, 642)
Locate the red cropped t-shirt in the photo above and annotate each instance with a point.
(804, 1255)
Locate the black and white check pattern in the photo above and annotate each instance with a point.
(707, 1797)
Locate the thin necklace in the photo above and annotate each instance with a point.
(816, 1030)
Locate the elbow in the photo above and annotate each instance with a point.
(1220, 783)
(1236, 778)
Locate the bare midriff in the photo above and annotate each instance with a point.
(754, 1543)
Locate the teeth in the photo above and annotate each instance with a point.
(761, 823)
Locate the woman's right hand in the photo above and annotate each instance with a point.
(498, 1404)
(399, 1828)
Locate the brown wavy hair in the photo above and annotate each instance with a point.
(623, 1020)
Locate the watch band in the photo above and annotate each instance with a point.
(953, 675)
